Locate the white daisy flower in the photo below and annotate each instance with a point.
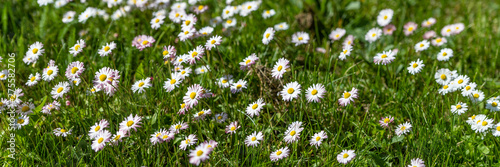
(199, 154)
(429, 22)
(213, 42)
(346, 51)
(156, 22)
(315, 93)
(254, 108)
(467, 90)
(202, 114)
(21, 121)
(50, 72)
(492, 104)
(4, 75)
(118, 137)
(293, 132)
(348, 97)
(346, 156)
(422, 45)
(268, 13)
(447, 30)
(445, 54)
(318, 138)
(300, 38)
(230, 22)
(281, 26)
(461, 81)
(59, 90)
(100, 140)
(415, 67)
(337, 34)
(482, 124)
(458, 27)
(107, 49)
(221, 117)
(417, 162)
(290, 91)
(85, 15)
(476, 96)
(77, 48)
(225, 81)
(459, 109)
(186, 33)
(443, 76)
(373, 34)
(176, 15)
(131, 122)
(268, 36)
(280, 154)
(384, 17)
(446, 89)
(280, 68)
(228, 12)
(193, 95)
(142, 84)
(403, 128)
(74, 70)
(384, 58)
(496, 130)
(61, 132)
(253, 139)
(232, 127)
(206, 31)
(26, 108)
(33, 79)
(97, 128)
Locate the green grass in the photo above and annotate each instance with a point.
(438, 137)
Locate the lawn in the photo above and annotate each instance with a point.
(310, 95)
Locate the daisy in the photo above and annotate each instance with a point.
(429, 22)
(202, 69)
(100, 140)
(4, 74)
(459, 109)
(476, 96)
(443, 76)
(293, 132)
(189, 21)
(206, 31)
(279, 154)
(348, 97)
(142, 84)
(429, 35)
(221, 117)
(461, 81)
(422, 45)
(14, 99)
(225, 81)
(193, 95)
(384, 58)
(156, 137)
(248, 7)
(131, 122)
(417, 162)
(446, 89)
(230, 22)
(315, 93)
(467, 90)
(143, 41)
(185, 72)
(492, 105)
(166, 136)
(458, 27)
(176, 15)
(445, 54)
(97, 128)
(228, 12)
(179, 60)
(187, 33)
(61, 132)
(47, 109)
(447, 30)
(59, 90)
(337, 34)
(373, 34)
(202, 114)
(85, 15)
(107, 49)
(268, 36)
(254, 108)
(389, 29)
(281, 26)
(403, 128)
(21, 121)
(35, 50)
(253, 139)
(384, 122)
(232, 127)
(188, 141)
(210, 144)
(213, 42)
(74, 70)
(118, 137)
(200, 9)
(482, 124)
(112, 3)
(50, 72)
(178, 6)
(300, 38)
(409, 28)
(183, 109)
(349, 40)
(496, 130)
(176, 128)
(416, 66)
(25, 108)
(290, 91)
(33, 79)
(346, 156)
(268, 13)
(78, 47)
(438, 41)
(280, 68)
(44, 2)
(248, 62)
(169, 52)
(156, 22)
(384, 17)
(199, 154)
(318, 138)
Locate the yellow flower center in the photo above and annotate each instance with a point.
(239, 86)
(267, 35)
(92, 90)
(345, 51)
(75, 81)
(254, 106)
(300, 38)
(130, 123)
(415, 65)
(314, 92)
(177, 15)
(443, 77)
(32, 79)
(35, 51)
(219, 117)
(279, 153)
(403, 128)
(187, 22)
(145, 42)
(476, 95)
(421, 45)
(212, 42)
(249, 7)
(103, 77)
(165, 52)
(444, 54)
(345, 155)
(410, 29)
(194, 54)
(386, 120)
(26, 108)
(157, 20)
(290, 90)
(74, 70)
(494, 104)
(484, 123)
(97, 128)
(224, 81)
(63, 130)
(336, 36)
(473, 117)
(292, 133)
(448, 30)
(498, 128)
(141, 84)
(460, 81)
(467, 87)
(201, 113)
(60, 89)
(459, 106)
(20, 121)
(49, 72)
(268, 11)
(100, 140)
(347, 95)
(229, 21)
(178, 126)
(227, 11)
(248, 61)
(172, 81)
(233, 128)
(439, 40)
(165, 136)
(200, 7)
(445, 87)
(192, 95)
(117, 137)
(77, 47)
(280, 67)
(384, 56)
(318, 138)
(183, 105)
(385, 17)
